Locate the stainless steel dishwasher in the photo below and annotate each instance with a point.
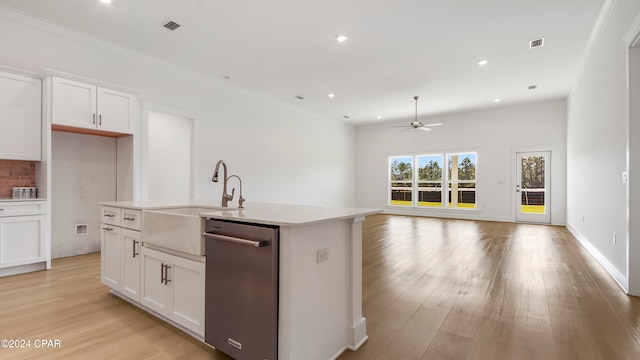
(241, 291)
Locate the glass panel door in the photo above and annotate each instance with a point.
(532, 187)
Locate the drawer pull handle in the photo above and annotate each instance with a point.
(107, 229)
(109, 215)
(128, 219)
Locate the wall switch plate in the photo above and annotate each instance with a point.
(322, 255)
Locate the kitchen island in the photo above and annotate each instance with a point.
(320, 268)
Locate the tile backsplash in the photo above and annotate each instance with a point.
(16, 173)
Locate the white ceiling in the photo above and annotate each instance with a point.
(395, 49)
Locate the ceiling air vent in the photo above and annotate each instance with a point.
(171, 25)
(536, 43)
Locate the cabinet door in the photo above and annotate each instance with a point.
(111, 256)
(187, 303)
(73, 104)
(131, 264)
(21, 240)
(155, 293)
(115, 111)
(21, 125)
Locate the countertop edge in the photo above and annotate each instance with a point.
(259, 213)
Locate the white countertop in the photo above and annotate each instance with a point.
(261, 213)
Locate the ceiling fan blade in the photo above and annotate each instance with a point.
(407, 126)
(434, 124)
(424, 128)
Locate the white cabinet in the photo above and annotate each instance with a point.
(173, 286)
(120, 256)
(111, 256)
(131, 246)
(22, 236)
(79, 105)
(21, 124)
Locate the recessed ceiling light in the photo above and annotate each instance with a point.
(331, 95)
(533, 87)
(379, 117)
(341, 38)
(299, 97)
(105, 1)
(496, 100)
(483, 62)
(346, 116)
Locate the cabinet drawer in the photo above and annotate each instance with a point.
(111, 216)
(21, 208)
(131, 219)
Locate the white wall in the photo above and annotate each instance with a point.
(495, 134)
(597, 130)
(282, 153)
(83, 170)
(169, 159)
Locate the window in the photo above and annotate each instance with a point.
(401, 180)
(461, 181)
(426, 176)
(430, 180)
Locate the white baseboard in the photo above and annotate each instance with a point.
(618, 276)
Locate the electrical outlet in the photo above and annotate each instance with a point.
(322, 255)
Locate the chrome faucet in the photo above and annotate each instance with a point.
(225, 197)
(240, 199)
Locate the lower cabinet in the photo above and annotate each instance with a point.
(120, 257)
(111, 256)
(120, 260)
(22, 240)
(173, 287)
(131, 245)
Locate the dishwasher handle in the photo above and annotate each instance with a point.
(254, 243)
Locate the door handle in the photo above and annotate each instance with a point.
(94, 118)
(134, 248)
(166, 274)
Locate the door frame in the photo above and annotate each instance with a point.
(516, 200)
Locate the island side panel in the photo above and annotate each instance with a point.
(358, 324)
(314, 306)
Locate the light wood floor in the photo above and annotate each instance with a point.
(432, 289)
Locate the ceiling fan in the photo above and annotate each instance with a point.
(415, 124)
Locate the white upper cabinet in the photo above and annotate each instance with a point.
(80, 105)
(20, 117)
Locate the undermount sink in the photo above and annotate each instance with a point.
(178, 228)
